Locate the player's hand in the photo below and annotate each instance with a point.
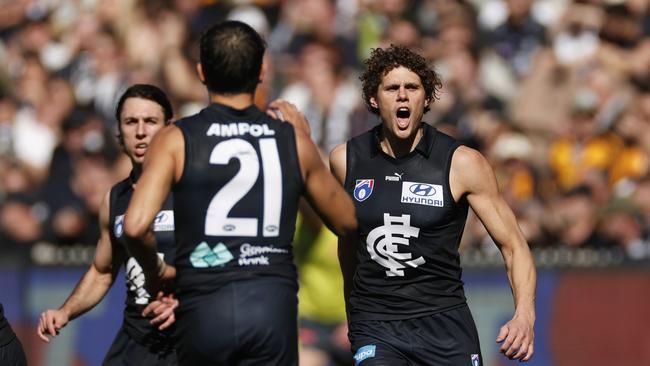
(285, 111)
(51, 322)
(517, 338)
(162, 310)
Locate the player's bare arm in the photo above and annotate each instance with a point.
(347, 244)
(161, 168)
(472, 176)
(323, 192)
(92, 287)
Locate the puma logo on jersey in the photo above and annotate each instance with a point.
(239, 129)
(396, 177)
(422, 194)
(382, 244)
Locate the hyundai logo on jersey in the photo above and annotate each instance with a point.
(475, 360)
(161, 217)
(164, 221)
(422, 189)
(363, 189)
(422, 194)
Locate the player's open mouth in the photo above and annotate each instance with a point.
(141, 149)
(403, 115)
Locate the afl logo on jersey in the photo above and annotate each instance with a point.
(363, 189)
(118, 229)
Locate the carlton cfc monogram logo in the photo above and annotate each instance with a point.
(382, 244)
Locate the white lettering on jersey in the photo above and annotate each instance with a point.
(239, 129)
(255, 254)
(135, 280)
(422, 194)
(382, 242)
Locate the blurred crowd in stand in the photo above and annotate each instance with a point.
(555, 93)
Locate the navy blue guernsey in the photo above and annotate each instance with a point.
(6, 333)
(237, 199)
(137, 297)
(410, 228)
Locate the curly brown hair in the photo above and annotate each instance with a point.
(382, 61)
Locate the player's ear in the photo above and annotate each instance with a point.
(199, 70)
(426, 102)
(373, 102)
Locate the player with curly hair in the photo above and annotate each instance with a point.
(412, 187)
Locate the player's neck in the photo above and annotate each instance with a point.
(137, 171)
(397, 147)
(237, 101)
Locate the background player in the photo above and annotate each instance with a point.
(237, 176)
(11, 350)
(412, 187)
(142, 112)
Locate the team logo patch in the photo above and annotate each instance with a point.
(363, 189)
(118, 229)
(422, 194)
(382, 244)
(203, 256)
(475, 360)
(364, 352)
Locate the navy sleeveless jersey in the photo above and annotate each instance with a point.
(136, 295)
(237, 199)
(410, 228)
(6, 333)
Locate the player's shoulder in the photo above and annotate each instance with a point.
(365, 143)
(466, 156)
(470, 167)
(339, 150)
(338, 155)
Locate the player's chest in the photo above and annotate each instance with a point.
(419, 190)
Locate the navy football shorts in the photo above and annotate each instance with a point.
(126, 351)
(245, 323)
(443, 339)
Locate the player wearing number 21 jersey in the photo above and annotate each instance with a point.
(237, 175)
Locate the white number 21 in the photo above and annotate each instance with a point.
(217, 221)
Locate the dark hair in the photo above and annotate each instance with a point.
(149, 92)
(382, 61)
(231, 54)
